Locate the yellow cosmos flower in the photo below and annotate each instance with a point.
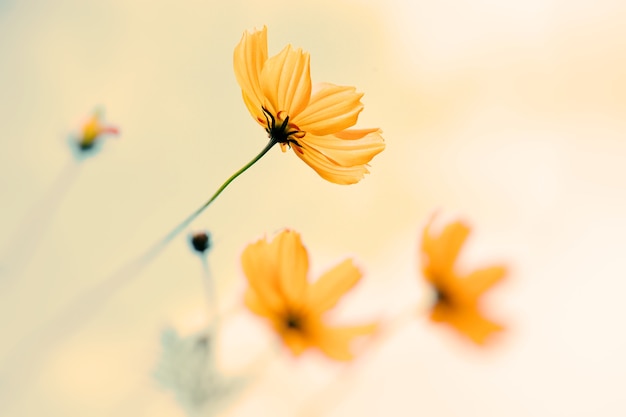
(280, 292)
(92, 130)
(457, 296)
(313, 122)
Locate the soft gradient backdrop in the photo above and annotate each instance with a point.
(509, 114)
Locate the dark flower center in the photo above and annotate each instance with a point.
(282, 132)
(85, 145)
(442, 297)
(294, 321)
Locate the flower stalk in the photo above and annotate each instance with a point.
(176, 230)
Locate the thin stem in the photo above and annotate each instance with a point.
(211, 295)
(212, 308)
(171, 235)
(24, 241)
(81, 308)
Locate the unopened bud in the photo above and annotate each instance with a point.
(200, 241)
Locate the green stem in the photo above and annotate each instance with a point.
(171, 235)
(213, 309)
(83, 306)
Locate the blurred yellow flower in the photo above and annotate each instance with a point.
(280, 292)
(457, 296)
(93, 129)
(312, 121)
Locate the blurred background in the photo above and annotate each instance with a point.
(509, 114)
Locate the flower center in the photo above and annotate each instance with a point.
(280, 130)
(442, 297)
(293, 321)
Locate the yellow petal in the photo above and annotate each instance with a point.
(351, 134)
(293, 266)
(479, 281)
(256, 305)
(332, 109)
(467, 321)
(440, 252)
(252, 106)
(452, 240)
(347, 153)
(332, 285)
(91, 130)
(286, 82)
(261, 269)
(336, 342)
(328, 169)
(248, 61)
(296, 342)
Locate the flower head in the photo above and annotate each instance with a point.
(457, 296)
(313, 121)
(92, 130)
(280, 292)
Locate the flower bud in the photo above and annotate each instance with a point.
(200, 241)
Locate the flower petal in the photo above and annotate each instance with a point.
(332, 285)
(293, 266)
(347, 153)
(331, 109)
(479, 281)
(286, 82)
(256, 305)
(327, 168)
(260, 265)
(451, 241)
(296, 342)
(467, 321)
(440, 252)
(336, 342)
(248, 60)
(351, 134)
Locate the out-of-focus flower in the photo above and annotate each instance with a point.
(457, 296)
(187, 367)
(280, 292)
(312, 121)
(93, 130)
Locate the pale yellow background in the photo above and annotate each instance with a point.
(509, 114)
